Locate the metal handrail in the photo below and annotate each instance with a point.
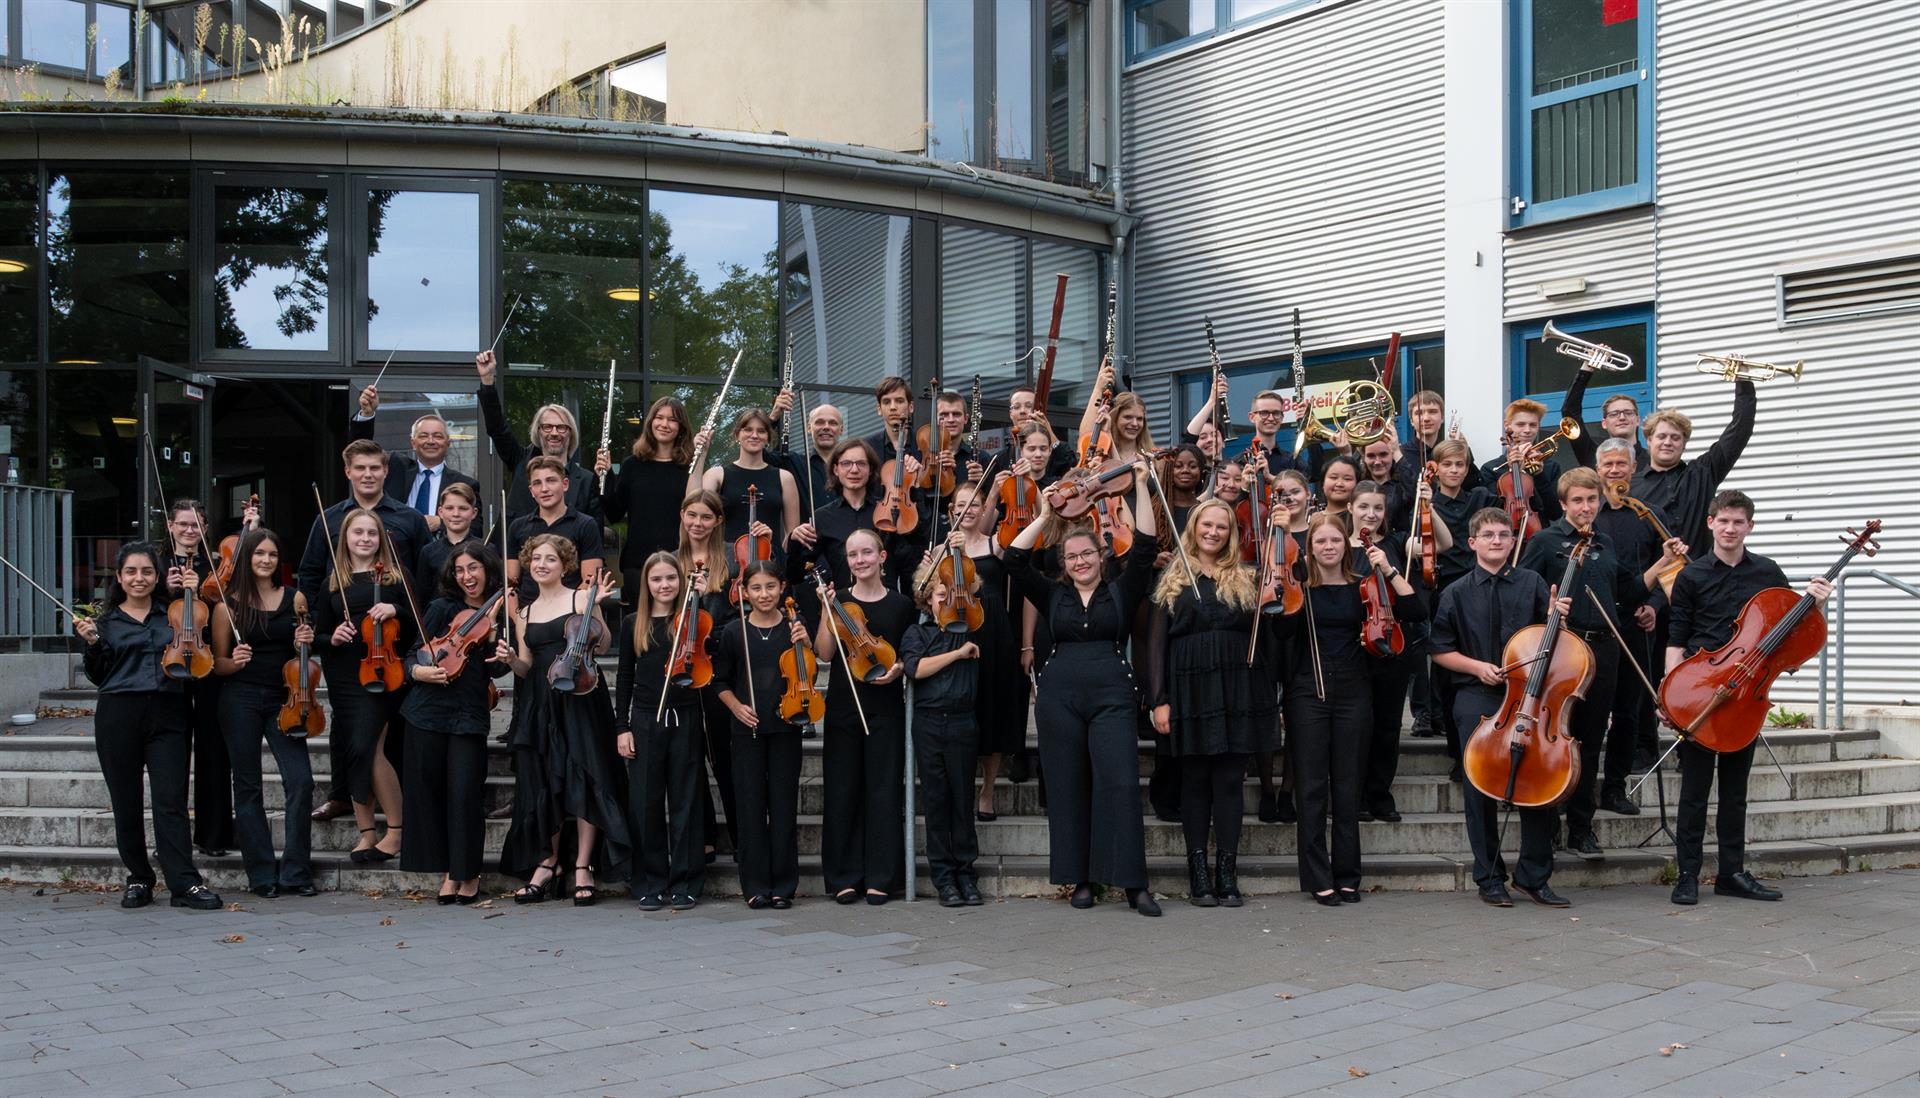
(36, 534)
(1837, 615)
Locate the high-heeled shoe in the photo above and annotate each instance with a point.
(375, 854)
(535, 890)
(584, 894)
(361, 857)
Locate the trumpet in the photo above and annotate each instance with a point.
(1736, 367)
(1540, 449)
(1593, 356)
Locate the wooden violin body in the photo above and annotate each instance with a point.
(1083, 487)
(1380, 633)
(381, 669)
(187, 655)
(1516, 496)
(1720, 697)
(1282, 590)
(868, 657)
(1019, 507)
(468, 630)
(1113, 526)
(215, 585)
(748, 549)
(573, 671)
(935, 477)
(301, 714)
(1423, 527)
(801, 702)
(896, 512)
(689, 665)
(962, 612)
(1523, 752)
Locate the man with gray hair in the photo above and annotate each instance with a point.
(554, 433)
(417, 479)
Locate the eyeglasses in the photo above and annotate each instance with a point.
(1083, 555)
(1620, 413)
(849, 465)
(1265, 413)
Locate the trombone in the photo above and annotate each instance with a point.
(1739, 368)
(1593, 356)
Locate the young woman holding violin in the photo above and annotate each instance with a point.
(1329, 707)
(1000, 704)
(863, 751)
(1290, 507)
(140, 726)
(564, 761)
(1212, 707)
(646, 489)
(1388, 647)
(1086, 708)
(448, 714)
(1183, 473)
(766, 746)
(188, 564)
(777, 495)
(704, 546)
(855, 498)
(362, 599)
(662, 738)
(1126, 419)
(459, 513)
(257, 632)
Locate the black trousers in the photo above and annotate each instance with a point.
(664, 781)
(212, 771)
(1629, 698)
(1085, 711)
(1588, 723)
(863, 842)
(1697, 766)
(1388, 679)
(147, 733)
(1535, 866)
(248, 714)
(719, 755)
(1328, 739)
(358, 719)
(1212, 792)
(766, 786)
(1420, 675)
(444, 786)
(945, 745)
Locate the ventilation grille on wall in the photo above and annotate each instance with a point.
(1874, 285)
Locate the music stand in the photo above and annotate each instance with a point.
(1660, 787)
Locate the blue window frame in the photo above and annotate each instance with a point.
(1325, 373)
(1583, 89)
(1540, 372)
(1158, 26)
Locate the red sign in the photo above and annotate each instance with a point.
(1618, 11)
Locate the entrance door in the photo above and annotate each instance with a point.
(278, 438)
(174, 444)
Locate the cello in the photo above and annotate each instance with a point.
(1380, 633)
(1718, 699)
(802, 702)
(896, 513)
(1522, 753)
(301, 714)
(381, 669)
(748, 548)
(573, 670)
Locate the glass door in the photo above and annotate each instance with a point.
(174, 435)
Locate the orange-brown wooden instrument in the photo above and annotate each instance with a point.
(801, 702)
(961, 612)
(187, 655)
(1616, 493)
(1019, 507)
(216, 584)
(896, 512)
(301, 714)
(689, 665)
(468, 630)
(868, 656)
(381, 669)
(1380, 634)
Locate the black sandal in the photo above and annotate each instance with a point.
(361, 857)
(846, 896)
(757, 902)
(536, 893)
(375, 854)
(584, 894)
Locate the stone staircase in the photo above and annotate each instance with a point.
(1841, 805)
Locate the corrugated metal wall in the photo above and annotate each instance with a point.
(1299, 165)
(1785, 134)
(1614, 255)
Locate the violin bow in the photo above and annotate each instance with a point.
(1153, 479)
(55, 599)
(503, 324)
(806, 432)
(377, 377)
(406, 586)
(333, 554)
(845, 661)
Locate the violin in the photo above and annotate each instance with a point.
(187, 655)
(222, 577)
(381, 669)
(1250, 510)
(869, 657)
(1616, 493)
(573, 670)
(1380, 634)
(1083, 487)
(1516, 496)
(1283, 591)
(802, 703)
(1113, 526)
(748, 549)
(1423, 524)
(688, 665)
(896, 513)
(962, 612)
(1522, 753)
(1019, 507)
(1718, 699)
(469, 629)
(934, 440)
(301, 714)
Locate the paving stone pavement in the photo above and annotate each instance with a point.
(1405, 993)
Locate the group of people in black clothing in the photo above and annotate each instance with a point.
(1151, 617)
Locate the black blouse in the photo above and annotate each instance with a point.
(642, 675)
(461, 706)
(731, 667)
(646, 495)
(126, 658)
(271, 639)
(342, 662)
(1100, 618)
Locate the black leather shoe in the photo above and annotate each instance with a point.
(950, 896)
(1331, 899)
(1686, 891)
(308, 889)
(447, 899)
(1743, 885)
(1269, 809)
(781, 903)
(878, 899)
(1584, 845)
(1387, 813)
(1545, 896)
(970, 891)
(465, 900)
(1082, 897)
(266, 891)
(1495, 894)
(199, 898)
(1286, 815)
(652, 901)
(1424, 730)
(684, 901)
(137, 895)
(1141, 900)
(1348, 895)
(1617, 802)
(1226, 878)
(1199, 884)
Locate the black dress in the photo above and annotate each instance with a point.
(565, 767)
(1197, 666)
(1001, 710)
(771, 507)
(646, 495)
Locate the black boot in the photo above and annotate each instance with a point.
(1226, 880)
(1199, 888)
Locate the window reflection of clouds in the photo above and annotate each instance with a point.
(423, 271)
(712, 230)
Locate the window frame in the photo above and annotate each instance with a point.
(1522, 210)
(1645, 393)
(985, 73)
(1223, 25)
(205, 184)
(487, 230)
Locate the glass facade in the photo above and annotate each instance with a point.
(570, 258)
(19, 266)
(272, 268)
(117, 265)
(423, 269)
(711, 266)
(1007, 85)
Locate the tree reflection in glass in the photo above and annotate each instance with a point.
(711, 266)
(117, 265)
(271, 276)
(571, 255)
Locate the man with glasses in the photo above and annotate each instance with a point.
(554, 433)
(1619, 416)
(417, 480)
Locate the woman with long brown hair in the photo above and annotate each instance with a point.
(647, 488)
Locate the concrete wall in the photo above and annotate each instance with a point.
(24, 675)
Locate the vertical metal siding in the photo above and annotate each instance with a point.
(1614, 255)
(1297, 166)
(1785, 134)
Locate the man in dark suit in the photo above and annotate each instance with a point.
(414, 480)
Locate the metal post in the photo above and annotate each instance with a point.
(1840, 659)
(1827, 613)
(912, 859)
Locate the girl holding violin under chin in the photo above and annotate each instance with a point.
(1388, 671)
(766, 747)
(448, 714)
(663, 739)
(353, 606)
(946, 667)
(257, 631)
(140, 726)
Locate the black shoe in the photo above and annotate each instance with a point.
(808, 733)
(1686, 891)
(212, 851)
(199, 898)
(1743, 885)
(266, 891)
(1082, 897)
(1141, 900)
(1495, 894)
(447, 899)
(1287, 814)
(970, 891)
(1167, 816)
(1616, 802)
(584, 895)
(465, 900)
(781, 903)
(1545, 896)
(950, 896)
(1387, 814)
(652, 901)
(1349, 895)
(985, 817)
(1269, 809)
(1424, 730)
(847, 896)
(309, 889)
(1587, 846)
(137, 895)
(1226, 878)
(1331, 899)
(1199, 884)
(1365, 815)
(874, 899)
(684, 901)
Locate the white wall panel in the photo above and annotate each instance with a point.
(1614, 255)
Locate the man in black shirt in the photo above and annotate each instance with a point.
(1707, 600)
(1476, 618)
(547, 484)
(1619, 417)
(1682, 488)
(808, 463)
(1522, 429)
(555, 433)
(1633, 740)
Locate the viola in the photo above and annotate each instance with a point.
(1616, 493)
(216, 584)
(573, 670)
(1516, 496)
(381, 669)
(1380, 634)
(1019, 507)
(868, 657)
(1718, 699)
(1423, 525)
(1522, 753)
(802, 702)
(468, 630)
(962, 612)
(1283, 591)
(688, 665)
(187, 655)
(301, 714)
(896, 513)
(748, 549)
(1082, 487)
